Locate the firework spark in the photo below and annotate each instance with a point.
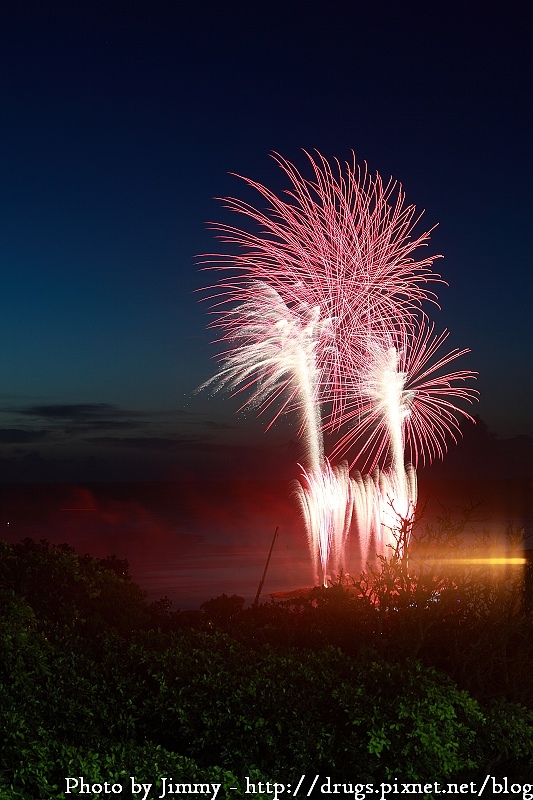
(326, 498)
(273, 355)
(401, 401)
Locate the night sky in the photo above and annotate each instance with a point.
(120, 125)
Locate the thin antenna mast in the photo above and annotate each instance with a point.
(261, 582)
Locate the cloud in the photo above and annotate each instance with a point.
(218, 426)
(85, 417)
(101, 441)
(77, 412)
(158, 443)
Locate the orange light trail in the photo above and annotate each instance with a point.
(489, 561)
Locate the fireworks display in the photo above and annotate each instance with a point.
(341, 243)
(323, 317)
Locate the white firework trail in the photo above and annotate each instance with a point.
(326, 499)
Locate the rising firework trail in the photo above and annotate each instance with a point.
(272, 355)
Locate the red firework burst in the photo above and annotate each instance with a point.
(341, 243)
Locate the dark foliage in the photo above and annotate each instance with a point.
(95, 682)
(68, 590)
(450, 604)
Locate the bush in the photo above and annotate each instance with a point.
(84, 690)
(44, 767)
(68, 590)
(287, 713)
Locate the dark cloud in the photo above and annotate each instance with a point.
(77, 412)
(103, 441)
(161, 444)
(76, 418)
(83, 426)
(86, 417)
(181, 413)
(20, 436)
(219, 426)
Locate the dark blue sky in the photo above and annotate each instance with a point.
(120, 124)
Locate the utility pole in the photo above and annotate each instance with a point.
(261, 582)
